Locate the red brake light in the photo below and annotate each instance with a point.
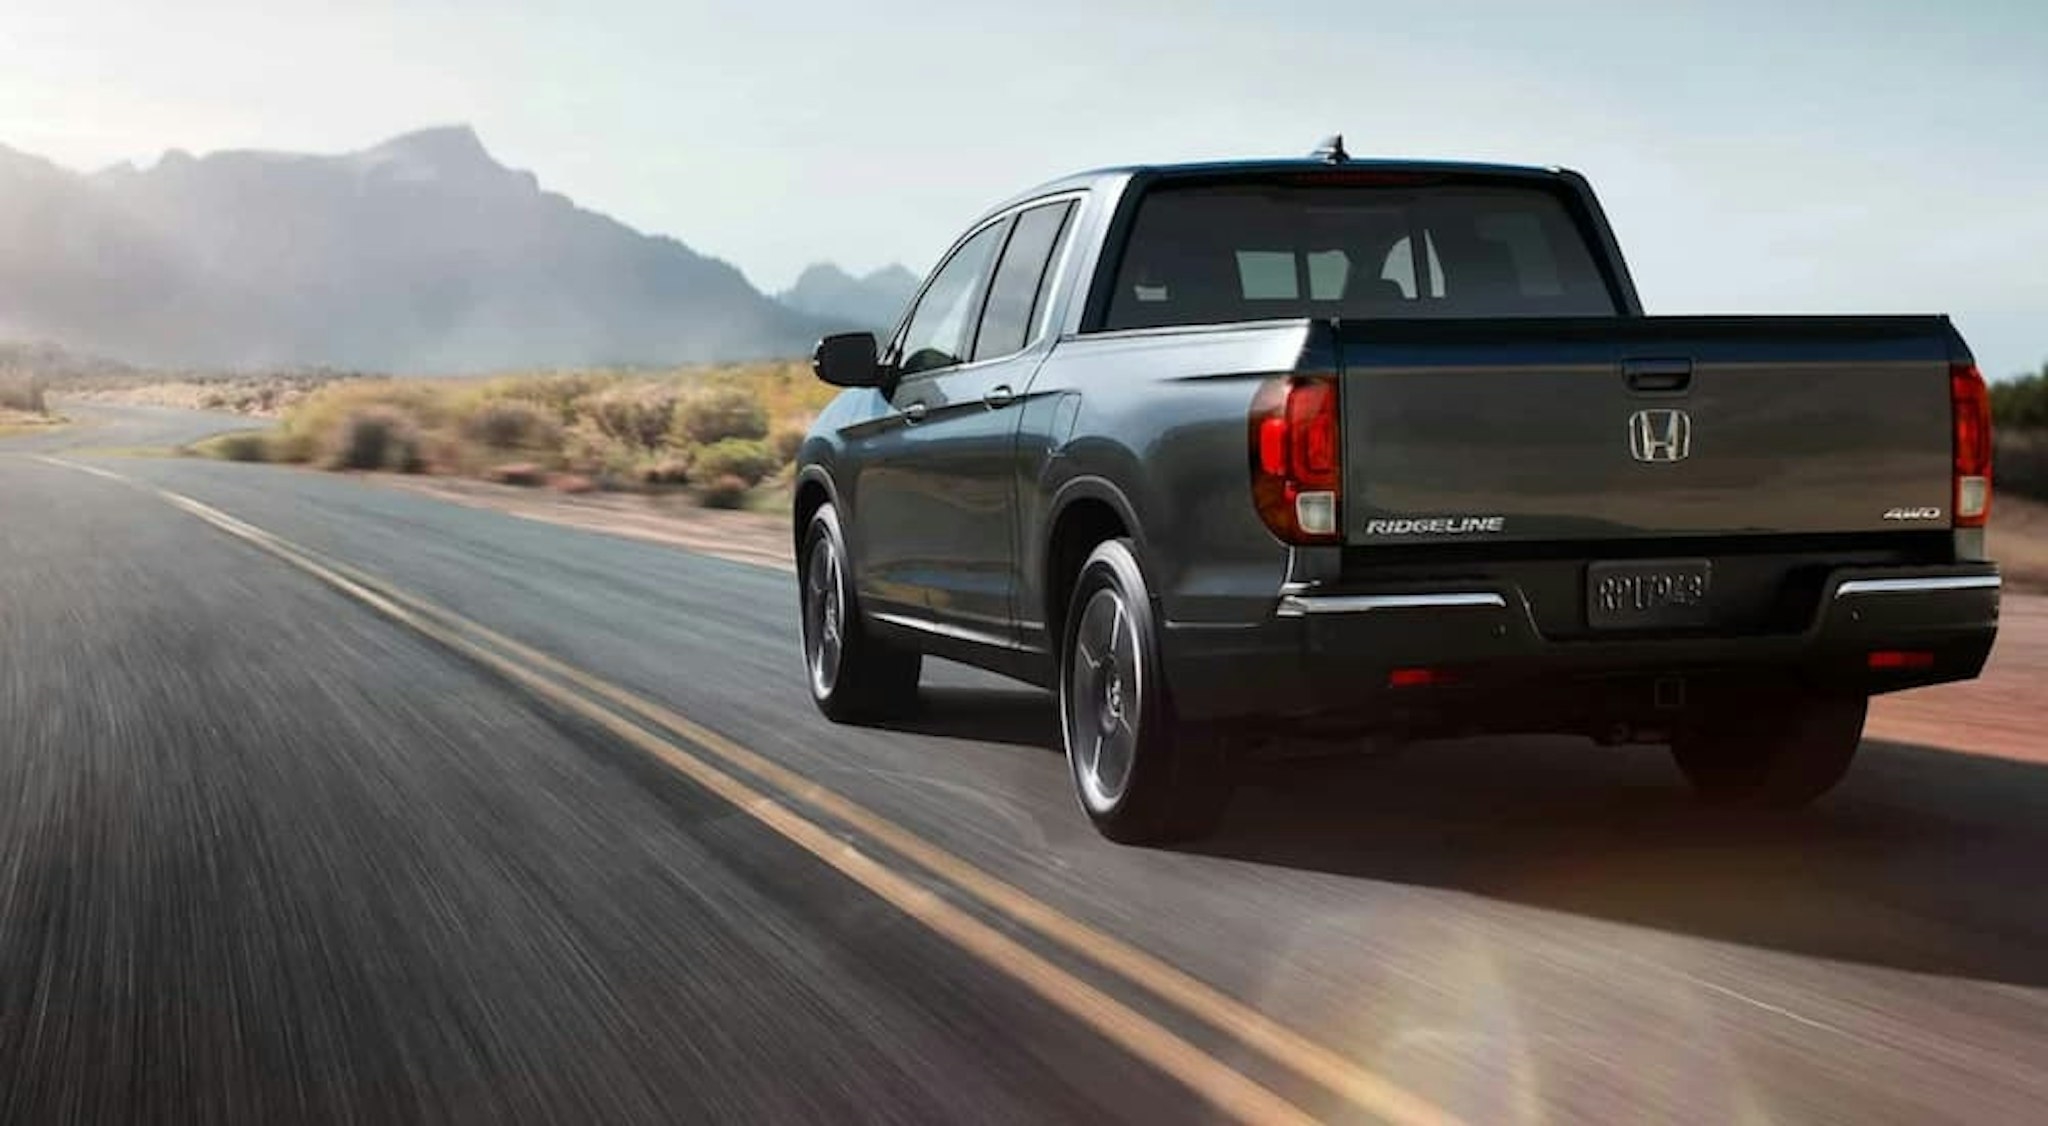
(1297, 458)
(1970, 407)
(1901, 659)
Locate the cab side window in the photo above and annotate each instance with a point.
(940, 331)
(1018, 288)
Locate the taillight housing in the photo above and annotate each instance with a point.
(1297, 458)
(1970, 408)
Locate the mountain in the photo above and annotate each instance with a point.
(875, 301)
(423, 253)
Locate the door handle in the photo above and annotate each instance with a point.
(913, 413)
(999, 396)
(1657, 377)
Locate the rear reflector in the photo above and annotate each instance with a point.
(1418, 678)
(1316, 513)
(1970, 407)
(1901, 659)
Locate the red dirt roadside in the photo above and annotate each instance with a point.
(2004, 712)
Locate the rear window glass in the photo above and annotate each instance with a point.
(1214, 253)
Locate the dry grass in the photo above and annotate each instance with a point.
(712, 429)
(22, 422)
(254, 396)
(22, 393)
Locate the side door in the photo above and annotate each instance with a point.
(896, 548)
(965, 447)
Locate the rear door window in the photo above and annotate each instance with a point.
(1019, 285)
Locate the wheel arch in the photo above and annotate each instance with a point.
(814, 490)
(1085, 512)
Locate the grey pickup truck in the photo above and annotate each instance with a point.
(1234, 456)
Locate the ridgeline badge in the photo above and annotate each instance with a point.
(1436, 525)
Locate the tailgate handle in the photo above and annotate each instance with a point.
(1658, 377)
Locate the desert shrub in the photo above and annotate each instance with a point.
(786, 443)
(555, 393)
(636, 414)
(2022, 403)
(23, 393)
(670, 469)
(718, 413)
(316, 419)
(728, 491)
(786, 390)
(377, 438)
(747, 459)
(589, 450)
(292, 446)
(512, 424)
(240, 447)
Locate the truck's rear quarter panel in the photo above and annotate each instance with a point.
(1160, 418)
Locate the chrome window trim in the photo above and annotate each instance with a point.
(1040, 326)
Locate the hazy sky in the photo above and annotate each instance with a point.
(1786, 156)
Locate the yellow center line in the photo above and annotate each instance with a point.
(1362, 1087)
(1229, 1090)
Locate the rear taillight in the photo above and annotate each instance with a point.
(1970, 407)
(1297, 459)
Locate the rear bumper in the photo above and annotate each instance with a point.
(1331, 652)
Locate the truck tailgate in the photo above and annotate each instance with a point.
(1644, 427)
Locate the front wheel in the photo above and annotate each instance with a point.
(1774, 753)
(853, 674)
(1143, 776)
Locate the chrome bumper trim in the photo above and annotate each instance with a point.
(1926, 585)
(1301, 605)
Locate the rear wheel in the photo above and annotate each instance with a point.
(1143, 776)
(1775, 752)
(853, 674)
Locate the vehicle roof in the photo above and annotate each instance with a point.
(1098, 176)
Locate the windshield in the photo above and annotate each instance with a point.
(1216, 253)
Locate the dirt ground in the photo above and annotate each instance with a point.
(2003, 713)
(750, 537)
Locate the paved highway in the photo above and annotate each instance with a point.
(327, 802)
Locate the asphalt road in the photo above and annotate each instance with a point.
(269, 855)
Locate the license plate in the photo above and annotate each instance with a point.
(1648, 594)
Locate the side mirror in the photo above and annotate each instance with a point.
(849, 359)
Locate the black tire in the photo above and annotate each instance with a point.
(1142, 776)
(853, 674)
(1772, 752)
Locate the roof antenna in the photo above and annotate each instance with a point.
(1331, 151)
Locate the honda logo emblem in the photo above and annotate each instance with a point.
(1660, 435)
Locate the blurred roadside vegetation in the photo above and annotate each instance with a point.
(724, 434)
(23, 393)
(24, 402)
(2019, 417)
